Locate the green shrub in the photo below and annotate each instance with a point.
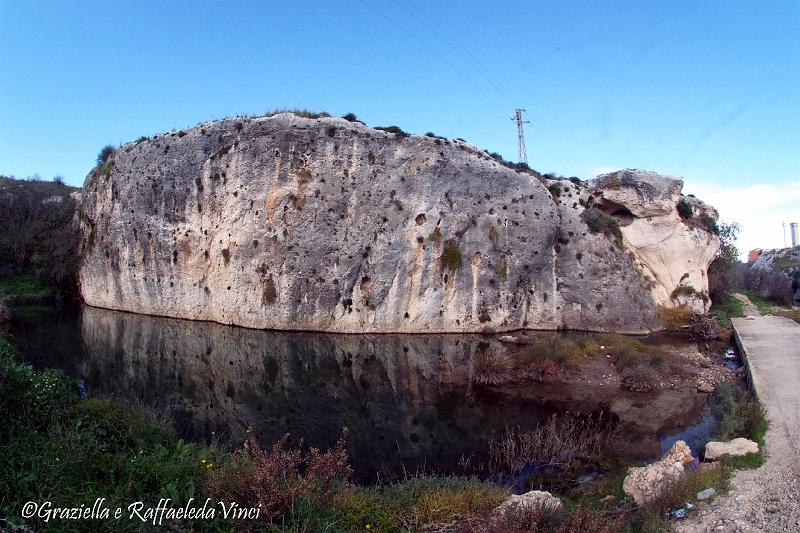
(555, 190)
(639, 378)
(451, 255)
(39, 242)
(724, 273)
(709, 223)
(723, 312)
(106, 153)
(688, 290)
(410, 504)
(600, 222)
(739, 413)
(685, 209)
(303, 113)
(393, 129)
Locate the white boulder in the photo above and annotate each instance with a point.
(534, 498)
(644, 484)
(736, 447)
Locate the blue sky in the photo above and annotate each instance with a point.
(703, 90)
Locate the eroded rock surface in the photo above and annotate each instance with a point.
(646, 483)
(322, 224)
(538, 499)
(736, 447)
(673, 253)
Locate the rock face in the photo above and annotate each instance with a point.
(322, 224)
(775, 274)
(736, 447)
(646, 483)
(674, 253)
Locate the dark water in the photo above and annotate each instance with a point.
(407, 400)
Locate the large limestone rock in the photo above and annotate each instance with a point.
(321, 224)
(645, 484)
(736, 447)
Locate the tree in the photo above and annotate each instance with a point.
(724, 274)
(105, 153)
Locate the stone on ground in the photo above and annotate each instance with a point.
(530, 499)
(646, 483)
(736, 447)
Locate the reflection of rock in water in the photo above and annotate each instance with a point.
(402, 397)
(406, 399)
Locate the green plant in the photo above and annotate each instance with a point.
(555, 190)
(600, 222)
(764, 305)
(688, 290)
(709, 223)
(451, 255)
(494, 238)
(303, 113)
(393, 129)
(639, 378)
(106, 153)
(723, 312)
(685, 209)
(56, 445)
(724, 274)
(739, 413)
(303, 175)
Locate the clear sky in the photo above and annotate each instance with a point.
(703, 90)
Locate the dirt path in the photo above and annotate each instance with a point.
(749, 308)
(766, 499)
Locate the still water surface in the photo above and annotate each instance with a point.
(407, 400)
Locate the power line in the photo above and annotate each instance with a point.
(460, 49)
(433, 51)
(473, 62)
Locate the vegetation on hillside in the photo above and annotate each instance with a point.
(39, 243)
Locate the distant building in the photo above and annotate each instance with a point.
(795, 233)
(752, 255)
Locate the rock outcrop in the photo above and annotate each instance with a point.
(775, 275)
(673, 252)
(645, 484)
(293, 223)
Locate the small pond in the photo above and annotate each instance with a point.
(407, 400)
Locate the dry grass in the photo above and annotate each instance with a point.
(639, 378)
(492, 368)
(558, 442)
(673, 318)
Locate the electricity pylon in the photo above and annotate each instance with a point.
(522, 156)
